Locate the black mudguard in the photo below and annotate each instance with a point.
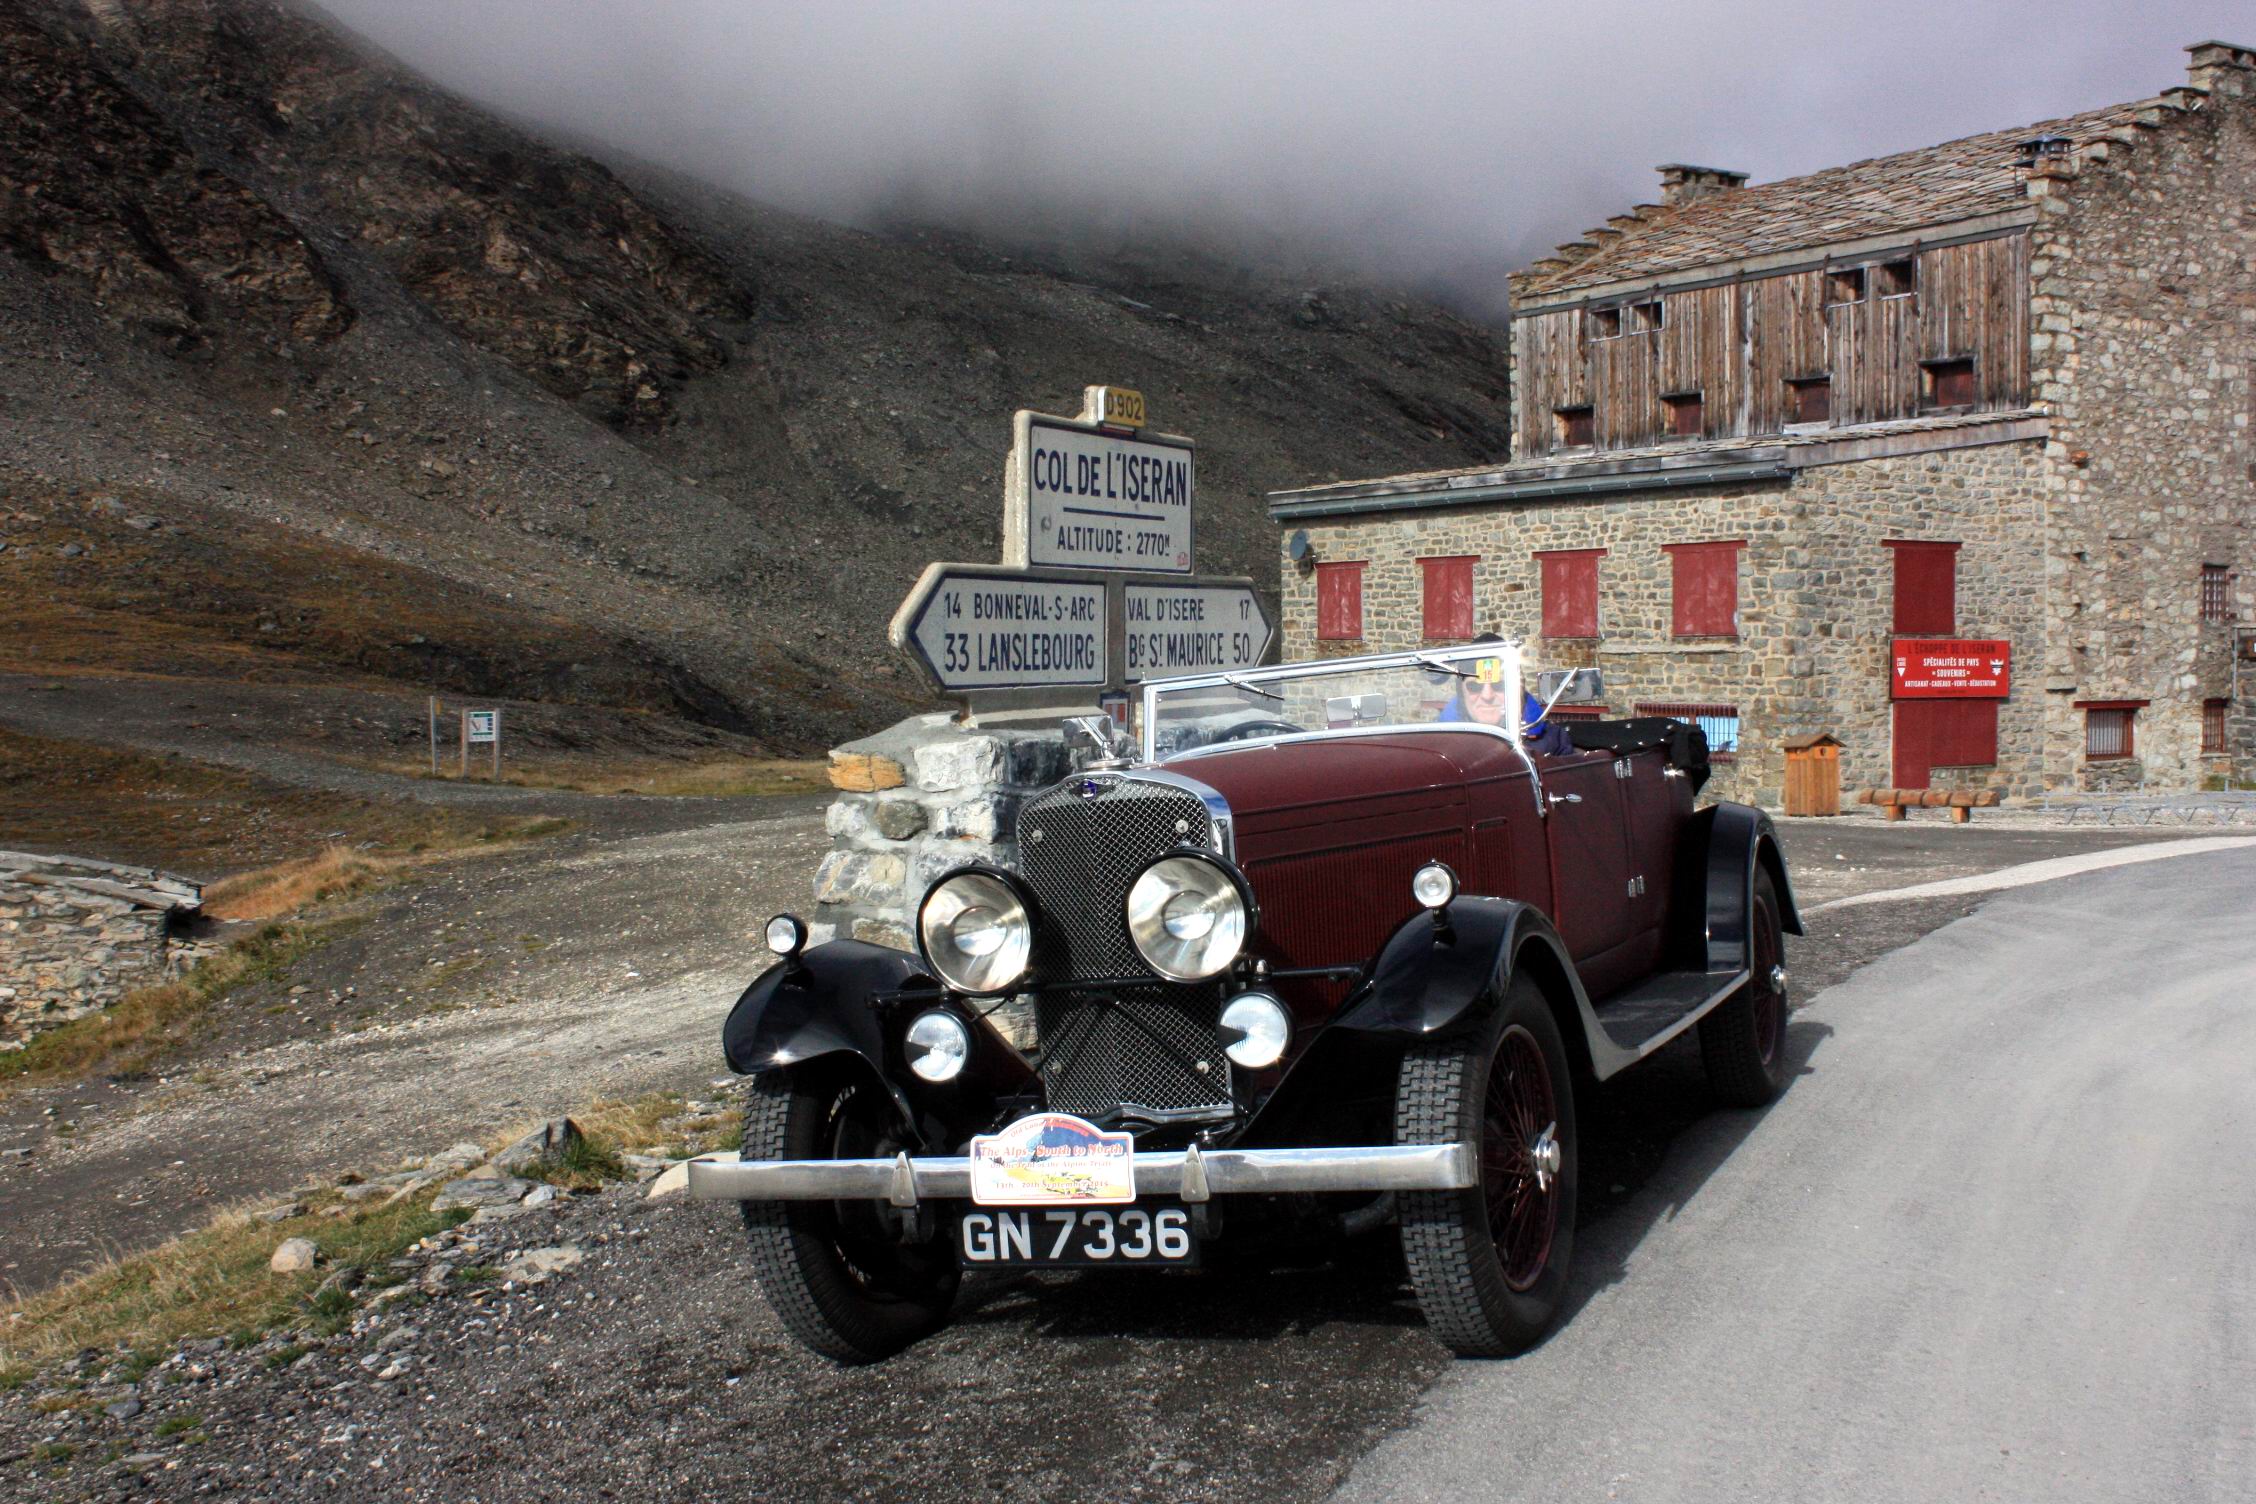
(1717, 856)
(820, 1006)
(1430, 981)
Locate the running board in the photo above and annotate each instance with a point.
(1656, 1010)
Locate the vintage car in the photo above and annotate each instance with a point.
(1331, 949)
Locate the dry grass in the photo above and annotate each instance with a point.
(713, 778)
(205, 820)
(211, 1282)
(290, 886)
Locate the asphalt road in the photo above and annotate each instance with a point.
(1994, 1243)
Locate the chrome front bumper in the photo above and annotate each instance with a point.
(1189, 1175)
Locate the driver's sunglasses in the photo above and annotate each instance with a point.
(1486, 691)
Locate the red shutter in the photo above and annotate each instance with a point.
(1570, 591)
(1943, 734)
(1706, 586)
(1339, 602)
(1926, 588)
(1449, 597)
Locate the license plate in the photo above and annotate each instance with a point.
(1076, 1238)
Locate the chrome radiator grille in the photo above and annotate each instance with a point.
(1140, 1046)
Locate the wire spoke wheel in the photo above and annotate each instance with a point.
(1489, 1263)
(842, 1276)
(1523, 1207)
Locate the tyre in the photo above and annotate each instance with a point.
(838, 1274)
(1743, 1042)
(1489, 1264)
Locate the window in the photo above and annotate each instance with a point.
(1339, 602)
(1570, 591)
(1946, 383)
(1720, 722)
(2216, 592)
(1899, 279)
(2213, 725)
(1449, 597)
(1576, 427)
(2107, 728)
(1645, 318)
(1926, 588)
(1810, 400)
(1605, 323)
(1845, 286)
(1704, 581)
(1686, 415)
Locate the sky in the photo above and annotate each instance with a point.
(1431, 146)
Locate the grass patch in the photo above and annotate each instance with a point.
(285, 1355)
(214, 1281)
(340, 871)
(133, 1032)
(587, 1164)
(712, 778)
(53, 1451)
(173, 1425)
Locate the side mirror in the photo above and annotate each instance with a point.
(1355, 710)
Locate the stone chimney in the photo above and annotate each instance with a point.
(2225, 70)
(1681, 182)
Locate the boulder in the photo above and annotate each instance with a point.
(496, 1190)
(545, 1145)
(293, 1256)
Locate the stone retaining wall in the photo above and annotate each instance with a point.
(914, 800)
(76, 935)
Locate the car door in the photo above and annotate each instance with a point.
(1589, 860)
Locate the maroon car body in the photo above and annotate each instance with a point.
(1302, 979)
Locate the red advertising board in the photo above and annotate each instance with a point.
(1950, 668)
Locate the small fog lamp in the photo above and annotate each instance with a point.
(1255, 1028)
(937, 1045)
(1433, 886)
(787, 935)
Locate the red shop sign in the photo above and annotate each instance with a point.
(1950, 668)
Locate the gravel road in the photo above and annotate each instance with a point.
(1993, 1244)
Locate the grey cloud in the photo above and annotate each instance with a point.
(1431, 145)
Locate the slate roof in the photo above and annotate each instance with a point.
(1958, 180)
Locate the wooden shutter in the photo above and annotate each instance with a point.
(1449, 596)
(1570, 591)
(1339, 602)
(1926, 588)
(1943, 734)
(1705, 579)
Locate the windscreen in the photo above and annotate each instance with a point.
(1465, 684)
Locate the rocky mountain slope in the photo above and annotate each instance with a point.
(269, 291)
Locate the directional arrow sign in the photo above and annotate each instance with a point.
(972, 626)
(1191, 628)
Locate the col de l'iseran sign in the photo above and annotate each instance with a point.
(1095, 590)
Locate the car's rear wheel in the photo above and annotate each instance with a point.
(839, 1274)
(1489, 1263)
(1743, 1042)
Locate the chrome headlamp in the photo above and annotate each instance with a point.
(976, 930)
(1189, 916)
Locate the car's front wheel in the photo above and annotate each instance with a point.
(839, 1274)
(1489, 1263)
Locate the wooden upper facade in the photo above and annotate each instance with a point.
(1901, 331)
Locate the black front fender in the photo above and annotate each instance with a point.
(1429, 981)
(824, 1005)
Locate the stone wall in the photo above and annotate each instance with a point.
(919, 798)
(76, 935)
(1816, 596)
(2143, 270)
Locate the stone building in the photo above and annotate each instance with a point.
(1769, 439)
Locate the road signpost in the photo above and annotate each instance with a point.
(481, 728)
(1095, 590)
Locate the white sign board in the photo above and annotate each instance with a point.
(976, 628)
(483, 725)
(1083, 497)
(1188, 629)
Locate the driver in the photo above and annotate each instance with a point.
(1481, 698)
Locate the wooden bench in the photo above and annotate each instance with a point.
(1960, 802)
